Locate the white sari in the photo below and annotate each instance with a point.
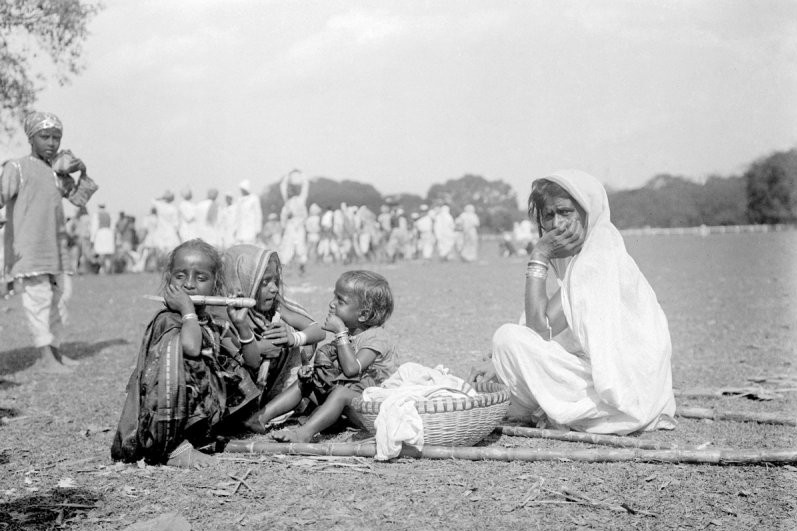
(609, 371)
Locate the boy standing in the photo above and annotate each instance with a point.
(35, 237)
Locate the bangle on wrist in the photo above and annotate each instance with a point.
(299, 338)
(538, 262)
(536, 271)
(342, 338)
(189, 316)
(360, 365)
(548, 326)
(247, 341)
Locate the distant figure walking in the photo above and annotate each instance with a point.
(102, 238)
(468, 222)
(294, 188)
(249, 218)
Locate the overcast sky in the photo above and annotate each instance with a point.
(404, 94)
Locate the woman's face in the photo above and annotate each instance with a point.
(562, 212)
(269, 287)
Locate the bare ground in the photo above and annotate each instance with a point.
(730, 302)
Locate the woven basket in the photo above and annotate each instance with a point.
(450, 421)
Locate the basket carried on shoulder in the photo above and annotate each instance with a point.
(450, 421)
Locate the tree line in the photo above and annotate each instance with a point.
(765, 193)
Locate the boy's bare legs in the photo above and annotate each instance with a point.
(286, 401)
(65, 360)
(325, 416)
(49, 363)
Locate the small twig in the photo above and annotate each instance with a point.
(242, 481)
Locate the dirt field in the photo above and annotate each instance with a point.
(730, 300)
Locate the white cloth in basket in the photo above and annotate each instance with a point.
(398, 421)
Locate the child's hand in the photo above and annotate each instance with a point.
(334, 324)
(237, 315)
(277, 333)
(178, 300)
(305, 372)
(78, 164)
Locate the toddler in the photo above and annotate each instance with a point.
(362, 355)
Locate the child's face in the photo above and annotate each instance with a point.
(345, 305)
(269, 287)
(193, 272)
(45, 143)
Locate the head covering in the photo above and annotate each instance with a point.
(614, 314)
(244, 267)
(245, 185)
(37, 121)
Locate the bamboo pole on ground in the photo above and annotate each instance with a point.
(486, 453)
(738, 416)
(592, 438)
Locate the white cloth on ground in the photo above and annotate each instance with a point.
(398, 421)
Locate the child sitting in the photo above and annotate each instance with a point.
(188, 369)
(362, 355)
(274, 332)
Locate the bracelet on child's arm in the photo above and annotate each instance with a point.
(247, 341)
(299, 339)
(360, 365)
(548, 326)
(188, 316)
(342, 338)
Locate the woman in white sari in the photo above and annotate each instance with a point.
(592, 350)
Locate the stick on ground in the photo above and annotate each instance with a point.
(486, 453)
(592, 438)
(738, 416)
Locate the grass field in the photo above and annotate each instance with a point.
(730, 300)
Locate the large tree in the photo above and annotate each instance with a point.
(32, 30)
(772, 188)
(495, 201)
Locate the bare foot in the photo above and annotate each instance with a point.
(298, 435)
(66, 360)
(49, 364)
(185, 456)
(254, 424)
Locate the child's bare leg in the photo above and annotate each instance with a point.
(325, 416)
(186, 456)
(49, 363)
(284, 402)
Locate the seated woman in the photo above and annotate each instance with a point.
(592, 352)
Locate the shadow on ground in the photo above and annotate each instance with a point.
(19, 359)
(49, 510)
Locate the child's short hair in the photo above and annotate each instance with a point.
(206, 249)
(373, 293)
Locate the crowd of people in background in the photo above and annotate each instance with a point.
(301, 233)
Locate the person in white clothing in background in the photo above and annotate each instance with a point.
(249, 215)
